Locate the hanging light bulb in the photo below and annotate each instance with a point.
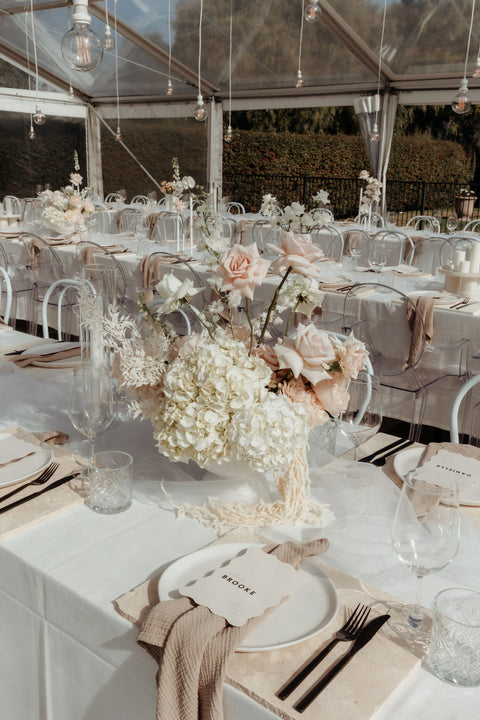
(31, 133)
(118, 134)
(312, 12)
(109, 42)
(201, 112)
(81, 48)
(476, 72)
(299, 82)
(228, 137)
(461, 101)
(169, 88)
(38, 116)
(375, 136)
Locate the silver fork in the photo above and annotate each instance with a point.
(40, 480)
(347, 632)
(461, 303)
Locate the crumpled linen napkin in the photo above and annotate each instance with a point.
(25, 360)
(424, 311)
(192, 647)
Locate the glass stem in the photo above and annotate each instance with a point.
(355, 457)
(416, 614)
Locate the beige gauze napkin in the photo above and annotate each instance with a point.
(25, 360)
(151, 268)
(192, 647)
(425, 307)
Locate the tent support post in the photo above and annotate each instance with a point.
(215, 147)
(94, 152)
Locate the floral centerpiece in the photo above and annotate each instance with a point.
(226, 393)
(371, 193)
(177, 189)
(295, 217)
(68, 208)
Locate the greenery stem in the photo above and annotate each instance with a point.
(247, 310)
(272, 305)
(290, 317)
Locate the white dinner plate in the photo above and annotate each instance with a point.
(50, 349)
(26, 467)
(301, 616)
(407, 460)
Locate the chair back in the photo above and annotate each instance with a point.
(139, 200)
(472, 226)
(91, 253)
(329, 239)
(397, 244)
(464, 391)
(168, 229)
(229, 229)
(128, 219)
(59, 289)
(235, 208)
(263, 234)
(13, 202)
(424, 222)
(113, 198)
(373, 219)
(7, 286)
(426, 254)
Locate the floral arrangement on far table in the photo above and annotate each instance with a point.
(295, 218)
(228, 393)
(179, 188)
(68, 207)
(371, 192)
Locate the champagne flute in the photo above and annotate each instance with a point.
(92, 407)
(425, 535)
(362, 416)
(452, 222)
(356, 246)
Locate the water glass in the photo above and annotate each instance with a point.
(110, 481)
(455, 642)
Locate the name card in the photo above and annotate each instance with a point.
(464, 470)
(245, 587)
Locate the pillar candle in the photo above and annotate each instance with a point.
(464, 266)
(475, 258)
(191, 225)
(8, 206)
(459, 257)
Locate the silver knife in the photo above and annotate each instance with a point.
(367, 633)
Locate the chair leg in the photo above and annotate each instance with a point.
(419, 407)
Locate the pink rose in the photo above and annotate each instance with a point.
(352, 358)
(309, 353)
(299, 253)
(76, 179)
(296, 391)
(333, 394)
(74, 217)
(88, 206)
(75, 201)
(267, 354)
(184, 346)
(241, 268)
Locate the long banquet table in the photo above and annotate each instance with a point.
(67, 653)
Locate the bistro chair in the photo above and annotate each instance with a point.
(235, 208)
(466, 395)
(472, 226)
(229, 229)
(58, 290)
(416, 370)
(424, 222)
(329, 239)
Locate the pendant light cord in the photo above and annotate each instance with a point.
(468, 41)
(301, 42)
(230, 68)
(200, 44)
(116, 61)
(169, 42)
(380, 60)
(34, 51)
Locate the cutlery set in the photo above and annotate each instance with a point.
(41, 480)
(379, 457)
(357, 631)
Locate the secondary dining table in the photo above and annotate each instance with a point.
(67, 653)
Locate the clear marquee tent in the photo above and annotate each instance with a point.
(246, 57)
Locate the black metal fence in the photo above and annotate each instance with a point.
(407, 198)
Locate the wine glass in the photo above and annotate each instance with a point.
(92, 406)
(452, 222)
(425, 535)
(378, 256)
(362, 417)
(356, 246)
(392, 218)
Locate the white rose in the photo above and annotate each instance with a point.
(174, 291)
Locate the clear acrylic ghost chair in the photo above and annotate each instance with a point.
(397, 244)
(113, 198)
(424, 222)
(183, 268)
(168, 229)
(102, 221)
(6, 286)
(229, 229)
(13, 262)
(329, 239)
(91, 253)
(439, 368)
(14, 202)
(430, 253)
(263, 234)
(128, 219)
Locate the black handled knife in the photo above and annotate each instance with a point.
(366, 634)
(57, 483)
(369, 458)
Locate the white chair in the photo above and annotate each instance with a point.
(464, 391)
(229, 229)
(139, 200)
(175, 316)
(5, 280)
(373, 219)
(472, 226)
(113, 198)
(424, 222)
(235, 208)
(59, 289)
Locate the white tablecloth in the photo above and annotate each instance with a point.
(66, 653)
